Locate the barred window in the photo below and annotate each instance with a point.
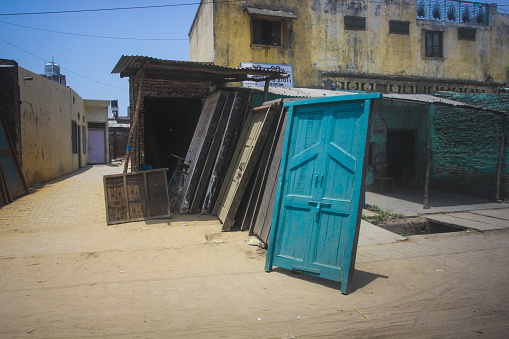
(434, 44)
(267, 32)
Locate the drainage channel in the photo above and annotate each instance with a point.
(421, 226)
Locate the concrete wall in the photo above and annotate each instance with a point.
(466, 145)
(201, 35)
(47, 110)
(317, 42)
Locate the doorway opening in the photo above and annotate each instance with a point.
(401, 156)
(169, 125)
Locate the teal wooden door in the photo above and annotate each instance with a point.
(317, 204)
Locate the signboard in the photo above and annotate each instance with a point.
(286, 82)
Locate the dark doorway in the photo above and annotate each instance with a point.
(401, 157)
(169, 128)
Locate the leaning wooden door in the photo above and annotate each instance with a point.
(246, 155)
(317, 204)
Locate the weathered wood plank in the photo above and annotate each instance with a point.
(261, 226)
(246, 155)
(136, 196)
(212, 154)
(199, 147)
(225, 152)
(262, 171)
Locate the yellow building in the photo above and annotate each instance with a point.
(418, 46)
(49, 124)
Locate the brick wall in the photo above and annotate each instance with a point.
(466, 145)
(9, 102)
(157, 88)
(118, 137)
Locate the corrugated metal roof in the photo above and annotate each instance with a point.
(302, 92)
(429, 99)
(188, 70)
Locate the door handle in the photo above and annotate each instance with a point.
(318, 208)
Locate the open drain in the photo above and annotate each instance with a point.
(421, 226)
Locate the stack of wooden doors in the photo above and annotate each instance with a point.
(211, 151)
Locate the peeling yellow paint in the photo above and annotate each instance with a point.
(317, 41)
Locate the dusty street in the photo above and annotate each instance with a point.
(65, 274)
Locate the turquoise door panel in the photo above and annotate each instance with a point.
(317, 203)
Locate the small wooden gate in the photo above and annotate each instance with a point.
(317, 209)
(136, 196)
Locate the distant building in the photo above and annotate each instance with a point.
(417, 46)
(52, 72)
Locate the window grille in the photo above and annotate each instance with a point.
(266, 32)
(434, 44)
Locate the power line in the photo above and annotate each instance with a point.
(87, 35)
(174, 5)
(68, 70)
(116, 9)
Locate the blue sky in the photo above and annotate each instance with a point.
(94, 58)
(87, 62)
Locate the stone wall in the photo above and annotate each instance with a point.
(466, 145)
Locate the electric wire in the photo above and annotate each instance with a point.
(90, 36)
(66, 69)
(119, 8)
(178, 5)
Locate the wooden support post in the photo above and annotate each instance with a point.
(501, 156)
(428, 159)
(266, 90)
(134, 126)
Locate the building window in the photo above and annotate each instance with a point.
(267, 32)
(399, 27)
(84, 138)
(355, 23)
(466, 34)
(74, 137)
(434, 44)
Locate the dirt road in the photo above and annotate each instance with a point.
(65, 274)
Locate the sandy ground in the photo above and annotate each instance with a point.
(71, 276)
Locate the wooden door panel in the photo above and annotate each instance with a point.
(246, 155)
(323, 164)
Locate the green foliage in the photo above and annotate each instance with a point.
(381, 216)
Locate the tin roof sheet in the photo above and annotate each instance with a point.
(429, 99)
(190, 71)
